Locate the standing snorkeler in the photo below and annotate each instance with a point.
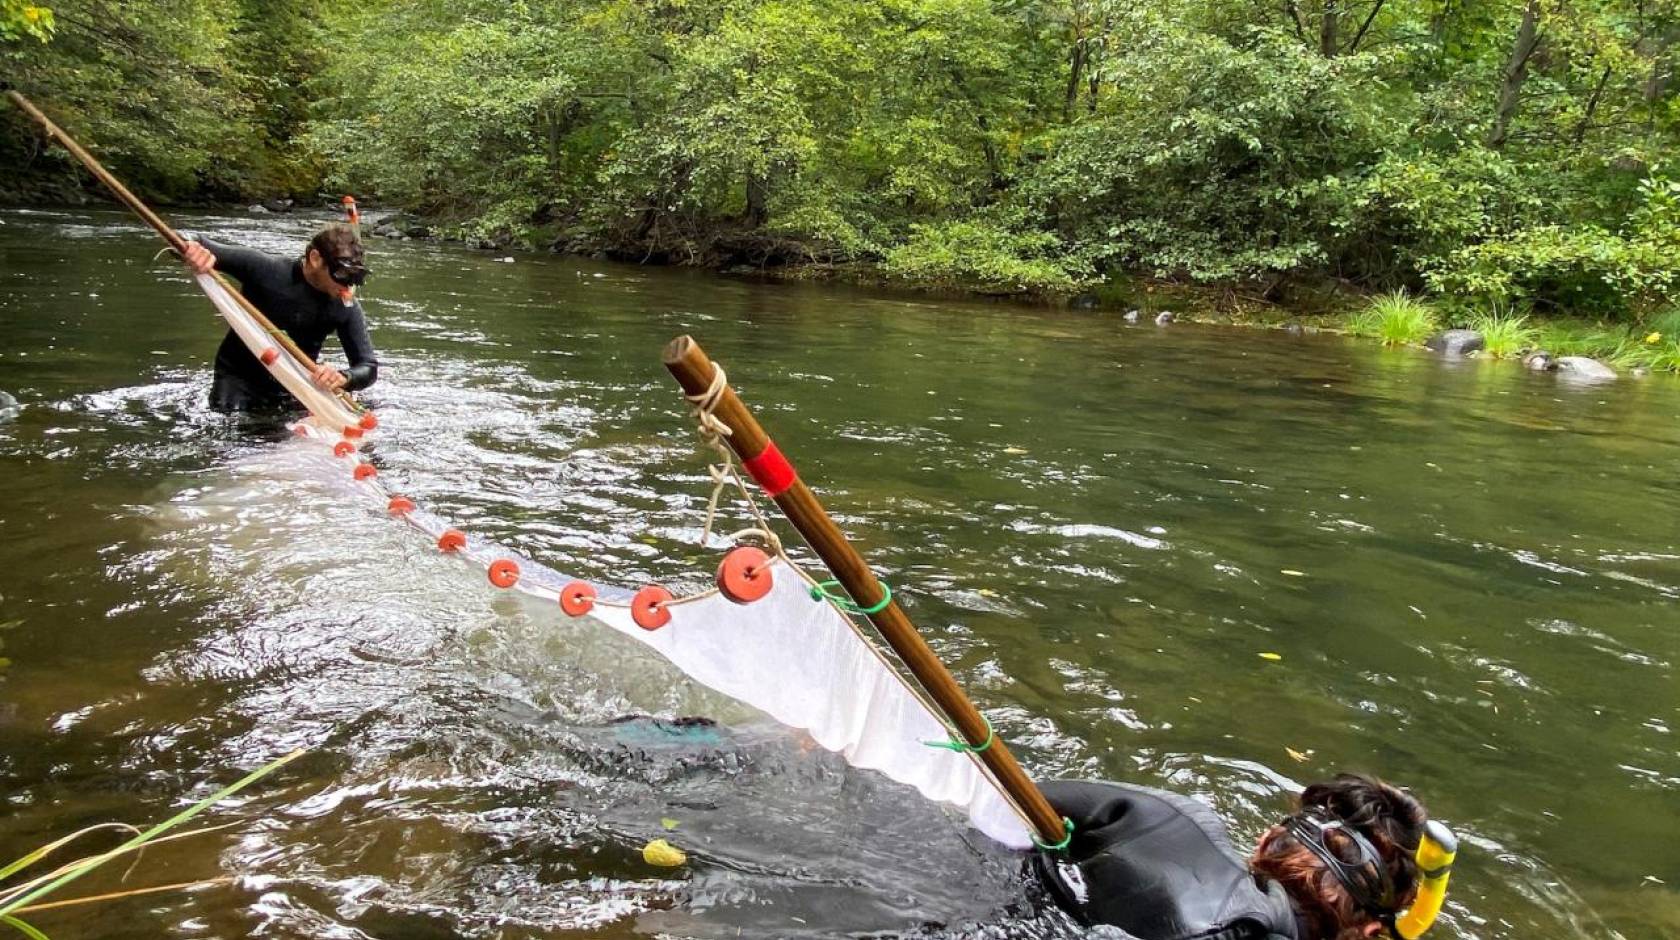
(308, 298)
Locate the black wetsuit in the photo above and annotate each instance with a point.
(277, 287)
(1159, 866)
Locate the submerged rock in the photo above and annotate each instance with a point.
(9, 407)
(1456, 342)
(1582, 369)
(1086, 301)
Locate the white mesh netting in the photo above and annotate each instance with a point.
(800, 660)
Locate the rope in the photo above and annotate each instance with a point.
(956, 743)
(1057, 846)
(702, 408)
(822, 591)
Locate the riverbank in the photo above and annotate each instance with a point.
(1294, 305)
(1301, 305)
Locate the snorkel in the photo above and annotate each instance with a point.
(348, 282)
(1435, 854)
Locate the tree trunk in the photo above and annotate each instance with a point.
(1516, 72)
(1329, 29)
(1592, 107)
(1076, 69)
(758, 200)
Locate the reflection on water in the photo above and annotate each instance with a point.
(1468, 573)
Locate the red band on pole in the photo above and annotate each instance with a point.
(771, 470)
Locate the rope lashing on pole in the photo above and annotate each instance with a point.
(956, 743)
(824, 591)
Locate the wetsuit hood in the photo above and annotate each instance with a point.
(1159, 866)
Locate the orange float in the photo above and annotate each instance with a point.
(744, 575)
(504, 572)
(400, 506)
(650, 608)
(577, 598)
(368, 422)
(352, 432)
(364, 471)
(452, 540)
(269, 355)
(343, 449)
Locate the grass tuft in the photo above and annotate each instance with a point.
(1505, 336)
(1398, 319)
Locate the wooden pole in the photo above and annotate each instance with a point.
(695, 372)
(176, 242)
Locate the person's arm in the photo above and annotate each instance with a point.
(242, 264)
(358, 348)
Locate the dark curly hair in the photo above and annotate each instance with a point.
(1391, 819)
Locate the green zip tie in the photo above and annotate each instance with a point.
(1059, 846)
(963, 747)
(821, 592)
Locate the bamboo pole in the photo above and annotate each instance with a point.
(695, 372)
(176, 242)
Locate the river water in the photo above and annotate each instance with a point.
(1468, 576)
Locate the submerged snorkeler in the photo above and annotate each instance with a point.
(1161, 867)
(308, 298)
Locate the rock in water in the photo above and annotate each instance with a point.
(257, 210)
(1582, 369)
(1085, 301)
(1456, 342)
(9, 407)
(1131, 316)
(1164, 317)
(1539, 361)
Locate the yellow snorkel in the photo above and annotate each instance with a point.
(1435, 854)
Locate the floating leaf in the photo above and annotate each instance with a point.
(669, 823)
(1293, 573)
(1299, 756)
(1272, 657)
(664, 854)
(1014, 450)
(987, 592)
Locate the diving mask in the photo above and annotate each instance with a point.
(1366, 878)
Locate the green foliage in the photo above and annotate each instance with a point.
(1215, 159)
(1494, 151)
(989, 255)
(177, 98)
(1397, 319)
(1505, 335)
(20, 20)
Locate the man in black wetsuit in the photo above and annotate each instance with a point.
(308, 298)
(1161, 866)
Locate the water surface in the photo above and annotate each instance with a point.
(1469, 574)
